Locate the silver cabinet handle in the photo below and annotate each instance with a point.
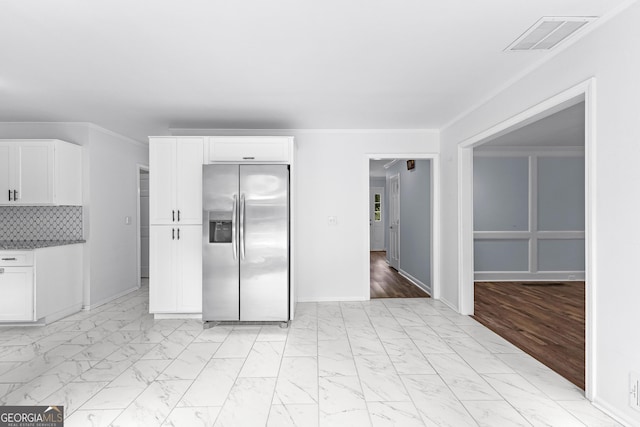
(178, 215)
(173, 234)
(9, 195)
(242, 201)
(10, 259)
(178, 234)
(15, 195)
(234, 243)
(173, 216)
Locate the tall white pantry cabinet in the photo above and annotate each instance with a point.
(175, 217)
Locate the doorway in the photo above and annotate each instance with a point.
(401, 209)
(143, 225)
(580, 93)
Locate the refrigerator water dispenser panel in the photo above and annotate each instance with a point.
(220, 230)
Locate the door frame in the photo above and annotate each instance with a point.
(582, 91)
(435, 217)
(395, 177)
(383, 213)
(139, 169)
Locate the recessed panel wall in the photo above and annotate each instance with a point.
(501, 255)
(501, 194)
(560, 193)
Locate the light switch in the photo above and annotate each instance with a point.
(332, 220)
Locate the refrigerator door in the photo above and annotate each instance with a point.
(220, 261)
(264, 242)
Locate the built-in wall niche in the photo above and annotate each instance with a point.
(529, 215)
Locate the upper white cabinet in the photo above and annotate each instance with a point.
(175, 180)
(244, 149)
(40, 172)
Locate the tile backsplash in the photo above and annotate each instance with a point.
(40, 222)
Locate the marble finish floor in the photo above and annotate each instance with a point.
(388, 362)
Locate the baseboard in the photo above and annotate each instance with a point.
(109, 299)
(449, 304)
(415, 281)
(510, 276)
(159, 316)
(68, 311)
(331, 299)
(607, 409)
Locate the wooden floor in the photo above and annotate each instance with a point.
(545, 319)
(388, 283)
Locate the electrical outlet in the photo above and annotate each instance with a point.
(634, 390)
(572, 277)
(332, 220)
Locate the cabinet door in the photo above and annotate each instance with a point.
(249, 149)
(162, 180)
(5, 174)
(162, 277)
(35, 173)
(190, 269)
(189, 160)
(16, 293)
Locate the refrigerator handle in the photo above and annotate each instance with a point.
(234, 243)
(242, 226)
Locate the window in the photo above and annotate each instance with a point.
(377, 207)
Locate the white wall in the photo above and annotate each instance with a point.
(109, 194)
(113, 196)
(332, 179)
(610, 54)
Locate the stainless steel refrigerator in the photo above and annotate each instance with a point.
(245, 250)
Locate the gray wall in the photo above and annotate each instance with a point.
(415, 219)
(502, 204)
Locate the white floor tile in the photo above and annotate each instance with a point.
(248, 403)
(92, 418)
(263, 360)
(387, 362)
(293, 415)
(342, 402)
(153, 405)
(298, 381)
(192, 417)
(392, 414)
(436, 404)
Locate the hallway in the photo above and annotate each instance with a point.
(387, 282)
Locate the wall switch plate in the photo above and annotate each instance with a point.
(634, 390)
(332, 220)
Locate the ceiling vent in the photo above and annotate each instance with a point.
(548, 32)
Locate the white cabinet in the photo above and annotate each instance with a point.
(175, 277)
(43, 284)
(247, 149)
(40, 172)
(16, 294)
(175, 180)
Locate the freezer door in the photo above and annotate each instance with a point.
(264, 242)
(220, 262)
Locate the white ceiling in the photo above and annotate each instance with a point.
(562, 129)
(140, 67)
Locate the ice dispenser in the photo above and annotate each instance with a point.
(220, 227)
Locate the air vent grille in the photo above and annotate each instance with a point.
(548, 32)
